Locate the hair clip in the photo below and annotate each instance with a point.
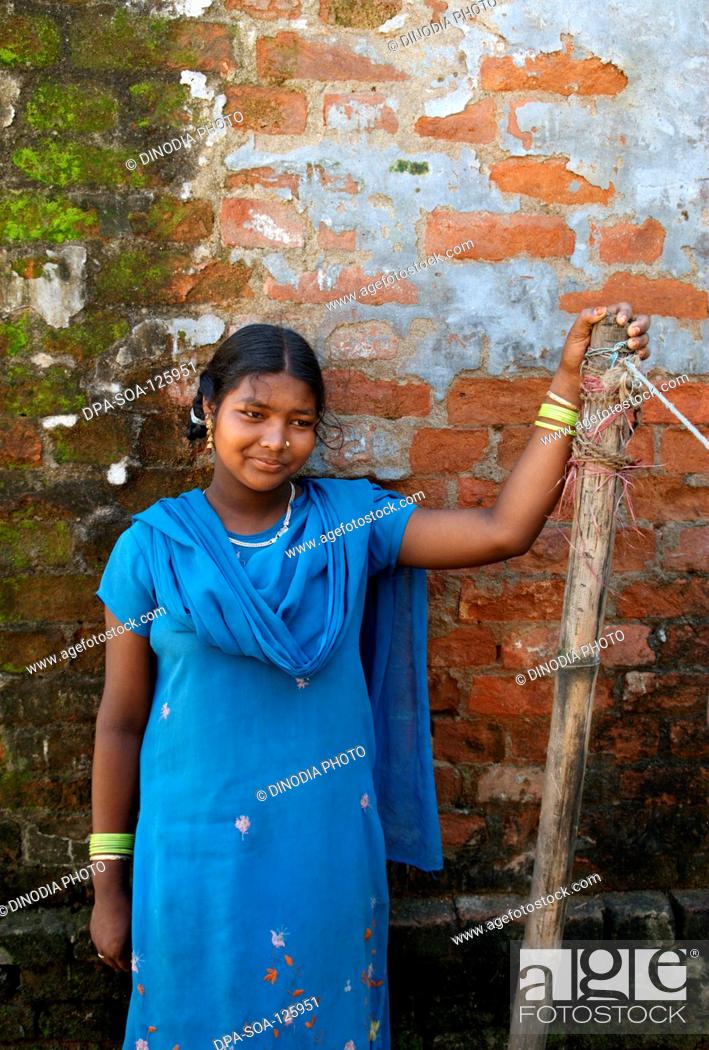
(196, 419)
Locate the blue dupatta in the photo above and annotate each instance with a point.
(205, 586)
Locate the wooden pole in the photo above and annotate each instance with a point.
(587, 580)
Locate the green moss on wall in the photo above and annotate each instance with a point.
(71, 107)
(25, 393)
(14, 335)
(75, 164)
(157, 104)
(31, 217)
(88, 338)
(411, 167)
(28, 41)
(127, 42)
(26, 541)
(133, 276)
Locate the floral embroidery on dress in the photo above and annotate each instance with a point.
(135, 960)
(302, 682)
(364, 801)
(349, 1045)
(348, 986)
(243, 824)
(373, 1029)
(164, 711)
(141, 1044)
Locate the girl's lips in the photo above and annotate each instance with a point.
(263, 464)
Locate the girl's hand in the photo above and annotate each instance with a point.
(110, 929)
(579, 338)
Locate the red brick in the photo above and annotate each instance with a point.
(266, 177)
(266, 9)
(353, 393)
(646, 295)
(685, 644)
(288, 56)
(477, 492)
(555, 71)
(443, 450)
(21, 443)
(626, 242)
(363, 111)
(480, 401)
(463, 647)
(654, 599)
(641, 447)
(547, 180)
(465, 741)
(365, 341)
(252, 223)
(211, 282)
(524, 600)
(494, 695)
(461, 829)
(270, 110)
(627, 742)
(689, 739)
(692, 399)
(346, 241)
(448, 785)
(529, 645)
(681, 453)
(511, 784)
(443, 692)
(648, 691)
(526, 739)
(496, 237)
(349, 279)
(690, 551)
(669, 498)
(631, 651)
(476, 123)
(520, 828)
(433, 489)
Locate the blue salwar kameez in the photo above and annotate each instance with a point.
(286, 756)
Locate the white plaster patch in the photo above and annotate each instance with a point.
(455, 102)
(55, 296)
(42, 360)
(397, 22)
(361, 116)
(59, 421)
(117, 473)
(9, 93)
(197, 84)
(195, 332)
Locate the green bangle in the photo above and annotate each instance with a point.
(564, 415)
(117, 841)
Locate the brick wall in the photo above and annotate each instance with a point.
(565, 144)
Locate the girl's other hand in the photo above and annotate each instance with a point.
(110, 929)
(579, 338)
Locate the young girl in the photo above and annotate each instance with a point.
(262, 746)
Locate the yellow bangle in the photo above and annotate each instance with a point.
(551, 426)
(563, 415)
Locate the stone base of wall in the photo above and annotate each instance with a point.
(55, 995)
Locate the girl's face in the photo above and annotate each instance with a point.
(253, 423)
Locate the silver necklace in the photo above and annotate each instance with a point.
(283, 528)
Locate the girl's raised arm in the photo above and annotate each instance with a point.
(458, 539)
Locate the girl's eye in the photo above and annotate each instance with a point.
(303, 422)
(251, 414)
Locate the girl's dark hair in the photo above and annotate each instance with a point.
(259, 349)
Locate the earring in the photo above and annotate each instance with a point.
(287, 444)
(210, 434)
